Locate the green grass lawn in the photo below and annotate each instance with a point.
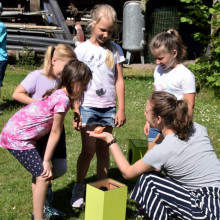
(15, 181)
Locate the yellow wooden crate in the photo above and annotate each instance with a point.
(136, 149)
(106, 200)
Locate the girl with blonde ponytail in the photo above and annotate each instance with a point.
(104, 58)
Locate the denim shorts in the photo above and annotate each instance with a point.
(98, 116)
(153, 134)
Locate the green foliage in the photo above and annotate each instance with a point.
(27, 58)
(207, 67)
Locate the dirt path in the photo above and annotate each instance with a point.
(151, 66)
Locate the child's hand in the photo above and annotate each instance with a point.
(146, 128)
(120, 119)
(77, 124)
(47, 173)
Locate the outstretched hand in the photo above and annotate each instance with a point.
(104, 135)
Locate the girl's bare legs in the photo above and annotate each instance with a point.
(90, 146)
(102, 153)
(86, 155)
(39, 190)
(83, 162)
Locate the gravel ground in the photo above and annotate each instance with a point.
(151, 65)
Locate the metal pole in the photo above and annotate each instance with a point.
(45, 39)
(16, 47)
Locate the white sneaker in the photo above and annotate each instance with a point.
(77, 200)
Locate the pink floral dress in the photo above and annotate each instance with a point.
(33, 121)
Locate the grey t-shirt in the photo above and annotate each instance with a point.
(192, 163)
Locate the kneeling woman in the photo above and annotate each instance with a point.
(191, 187)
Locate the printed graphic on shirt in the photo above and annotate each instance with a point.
(100, 92)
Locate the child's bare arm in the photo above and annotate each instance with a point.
(20, 95)
(190, 98)
(120, 89)
(77, 124)
(52, 143)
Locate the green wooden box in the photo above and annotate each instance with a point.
(106, 205)
(136, 149)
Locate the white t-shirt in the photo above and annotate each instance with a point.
(177, 81)
(100, 91)
(192, 163)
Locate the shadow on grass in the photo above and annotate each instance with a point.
(141, 78)
(62, 197)
(9, 104)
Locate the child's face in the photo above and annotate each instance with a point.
(148, 113)
(103, 30)
(165, 59)
(58, 66)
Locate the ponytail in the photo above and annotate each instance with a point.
(182, 121)
(61, 52)
(47, 66)
(109, 60)
(75, 74)
(173, 112)
(170, 40)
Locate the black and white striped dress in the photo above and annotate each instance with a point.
(162, 198)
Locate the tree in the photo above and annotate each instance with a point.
(207, 66)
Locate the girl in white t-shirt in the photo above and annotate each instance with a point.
(104, 58)
(171, 75)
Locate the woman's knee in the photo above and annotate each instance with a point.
(150, 178)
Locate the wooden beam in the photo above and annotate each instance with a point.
(34, 5)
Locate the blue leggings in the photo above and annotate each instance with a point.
(29, 159)
(162, 198)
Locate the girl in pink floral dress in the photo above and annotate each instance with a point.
(32, 122)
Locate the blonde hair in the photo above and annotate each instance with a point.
(61, 52)
(97, 13)
(170, 40)
(73, 73)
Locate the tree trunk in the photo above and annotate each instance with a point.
(214, 29)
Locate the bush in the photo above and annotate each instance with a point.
(207, 67)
